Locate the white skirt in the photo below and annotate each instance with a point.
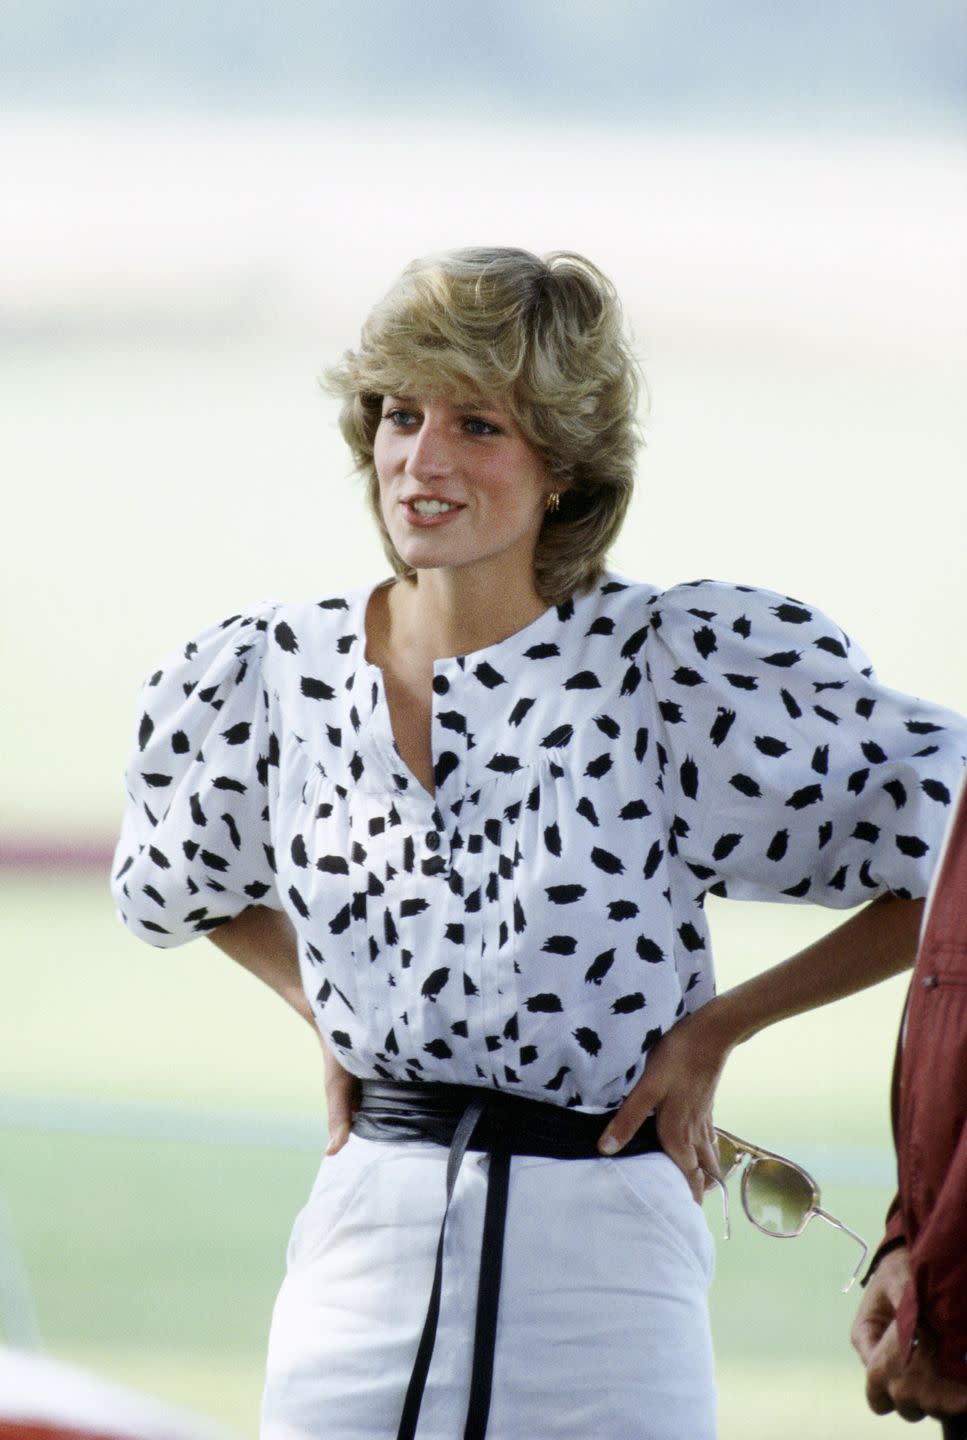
(603, 1330)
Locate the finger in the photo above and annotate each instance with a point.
(920, 1387)
(341, 1103)
(697, 1181)
(627, 1120)
(877, 1395)
(884, 1371)
(713, 1145)
(683, 1140)
(339, 1133)
(865, 1336)
(910, 1411)
(708, 1154)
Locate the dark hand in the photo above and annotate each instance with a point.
(914, 1390)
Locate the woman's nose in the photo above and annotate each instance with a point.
(430, 454)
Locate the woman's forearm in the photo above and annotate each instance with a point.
(880, 941)
(683, 1070)
(263, 942)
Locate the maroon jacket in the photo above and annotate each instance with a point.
(930, 1121)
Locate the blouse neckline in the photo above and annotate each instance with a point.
(530, 633)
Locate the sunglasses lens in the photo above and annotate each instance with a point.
(727, 1153)
(778, 1197)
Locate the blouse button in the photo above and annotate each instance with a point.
(432, 840)
(440, 684)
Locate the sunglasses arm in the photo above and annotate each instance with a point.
(838, 1225)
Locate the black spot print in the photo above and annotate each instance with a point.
(649, 950)
(628, 1004)
(588, 1039)
(565, 894)
(599, 967)
(622, 910)
(690, 937)
(721, 726)
(285, 638)
(688, 777)
(807, 795)
(553, 791)
(544, 1004)
(434, 983)
(439, 1049)
(791, 614)
(488, 676)
(583, 680)
(634, 810)
(604, 860)
(587, 811)
(705, 642)
(745, 786)
(314, 689)
(560, 945)
(653, 860)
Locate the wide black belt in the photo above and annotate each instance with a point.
(467, 1117)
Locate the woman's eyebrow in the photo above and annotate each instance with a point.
(478, 405)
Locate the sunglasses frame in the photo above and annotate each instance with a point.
(746, 1157)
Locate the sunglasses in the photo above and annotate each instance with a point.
(778, 1197)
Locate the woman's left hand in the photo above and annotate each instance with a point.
(342, 1099)
(684, 1067)
(679, 1084)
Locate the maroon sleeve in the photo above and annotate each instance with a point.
(937, 1296)
(932, 1121)
(894, 1236)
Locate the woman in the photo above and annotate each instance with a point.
(465, 820)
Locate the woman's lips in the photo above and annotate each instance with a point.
(427, 511)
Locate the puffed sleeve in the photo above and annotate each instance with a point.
(789, 772)
(195, 846)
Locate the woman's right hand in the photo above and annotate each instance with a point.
(342, 1099)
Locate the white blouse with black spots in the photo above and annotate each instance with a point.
(538, 923)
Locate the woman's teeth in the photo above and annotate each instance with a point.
(432, 507)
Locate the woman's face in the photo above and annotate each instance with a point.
(459, 484)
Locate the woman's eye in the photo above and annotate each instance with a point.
(476, 426)
(400, 418)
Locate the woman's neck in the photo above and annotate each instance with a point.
(441, 612)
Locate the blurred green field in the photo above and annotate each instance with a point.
(161, 1121)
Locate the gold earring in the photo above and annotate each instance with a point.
(553, 502)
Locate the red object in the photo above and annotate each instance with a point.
(26, 1430)
(930, 1121)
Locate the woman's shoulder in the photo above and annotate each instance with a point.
(333, 610)
(716, 616)
(715, 602)
(327, 630)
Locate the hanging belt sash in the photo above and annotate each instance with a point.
(465, 1117)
